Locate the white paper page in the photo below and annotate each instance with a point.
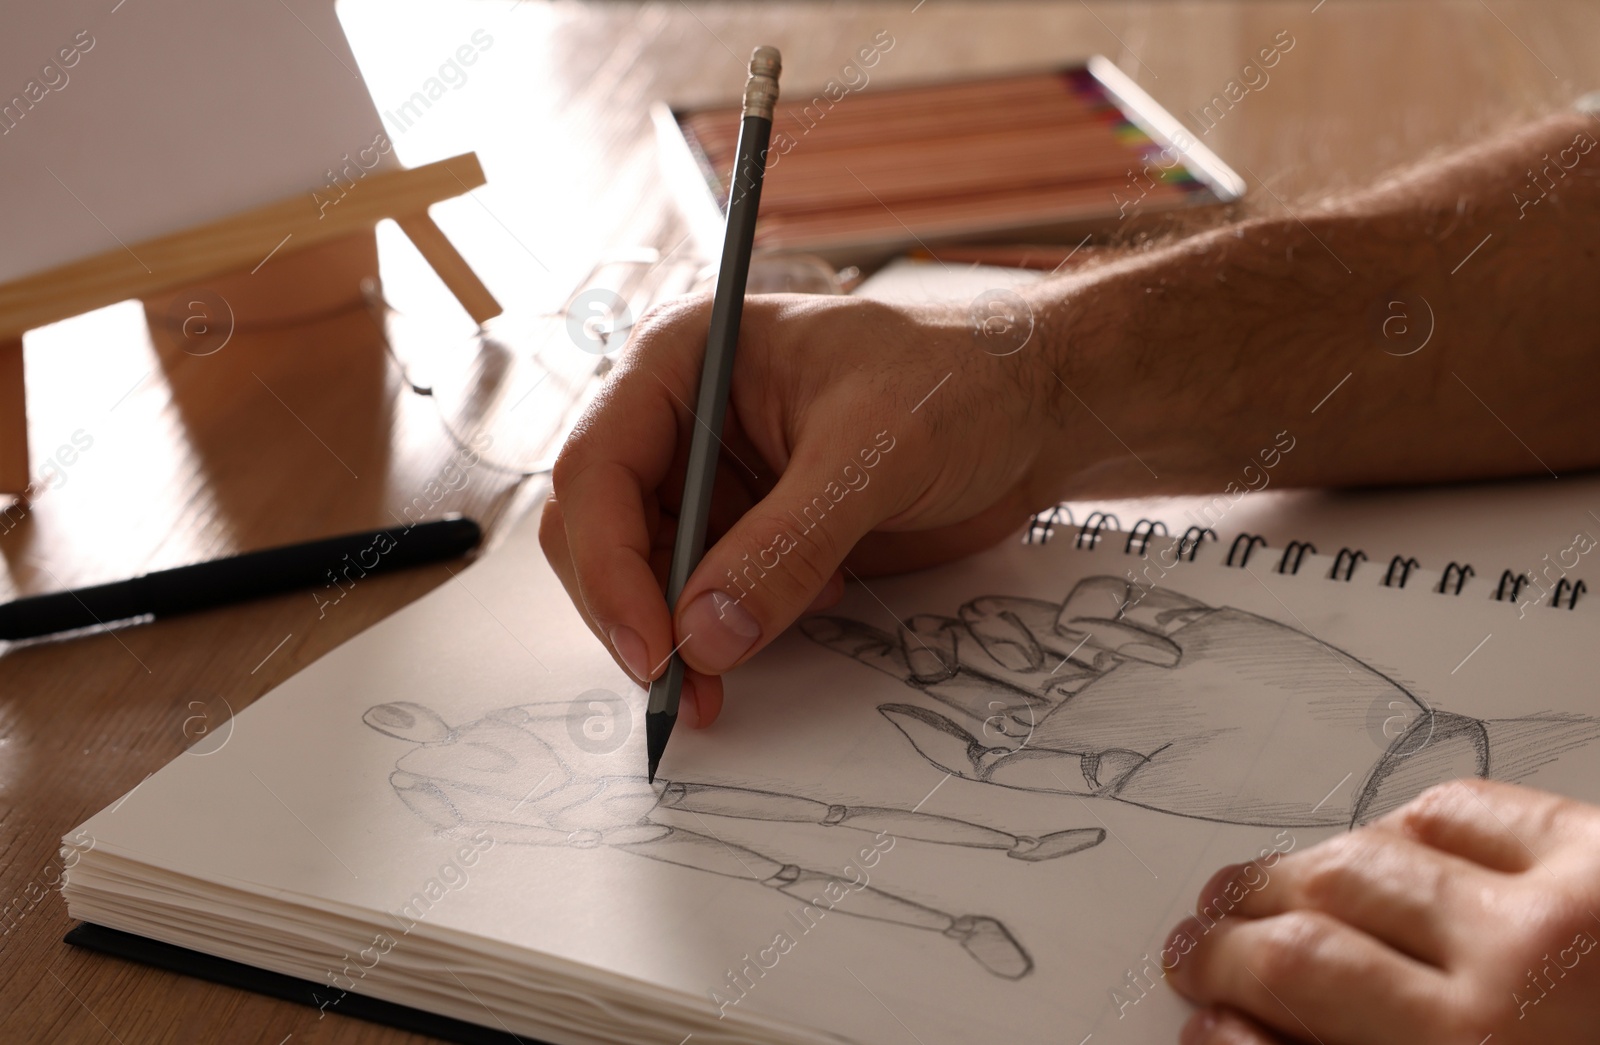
(1285, 696)
(124, 121)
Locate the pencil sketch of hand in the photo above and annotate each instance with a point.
(520, 774)
(1154, 698)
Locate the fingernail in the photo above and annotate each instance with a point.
(631, 648)
(717, 632)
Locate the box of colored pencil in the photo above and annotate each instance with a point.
(858, 176)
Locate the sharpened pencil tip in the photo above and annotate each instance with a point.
(657, 728)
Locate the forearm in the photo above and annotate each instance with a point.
(1458, 319)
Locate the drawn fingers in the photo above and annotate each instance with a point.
(407, 721)
(1106, 618)
(1124, 640)
(929, 644)
(1116, 597)
(1095, 597)
(926, 653)
(871, 646)
(937, 739)
(1017, 632)
(1029, 645)
(1006, 627)
(1161, 608)
(1013, 641)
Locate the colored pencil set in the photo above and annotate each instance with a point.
(1068, 150)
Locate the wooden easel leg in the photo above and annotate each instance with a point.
(451, 267)
(13, 419)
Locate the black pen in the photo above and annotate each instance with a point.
(716, 375)
(238, 578)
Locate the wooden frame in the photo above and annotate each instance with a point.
(238, 242)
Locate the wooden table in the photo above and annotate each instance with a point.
(289, 434)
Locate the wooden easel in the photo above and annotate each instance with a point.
(180, 259)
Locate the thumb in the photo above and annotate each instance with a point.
(772, 564)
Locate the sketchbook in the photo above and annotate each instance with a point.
(965, 805)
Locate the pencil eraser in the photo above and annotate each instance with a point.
(765, 61)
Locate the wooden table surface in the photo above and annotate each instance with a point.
(289, 434)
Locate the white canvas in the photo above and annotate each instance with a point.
(124, 121)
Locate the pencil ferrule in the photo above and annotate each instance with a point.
(761, 90)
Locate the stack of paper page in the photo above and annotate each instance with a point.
(966, 805)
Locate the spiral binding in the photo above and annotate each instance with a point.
(1042, 525)
(1509, 588)
(1517, 581)
(1196, 534)
(1299, 549)
(1142, 531)
(1098, 520)
(1251, 542)
(1346, 558)
(1405, 566)
(1457, 570)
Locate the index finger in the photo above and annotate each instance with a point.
(617, 456)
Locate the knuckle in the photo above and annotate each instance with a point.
(1432, 884)
(564, 469)
(1322, 882)
(1425, 814)
(1522, 812)
(818, 549)
(811, 562)
(1326, 873)
(578, 450)
(780, 565)
(812, 572)
(587, 446)
(1556, 816)
(661, 322)
(551, 528)
(1454, 792)
(1290, 948)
